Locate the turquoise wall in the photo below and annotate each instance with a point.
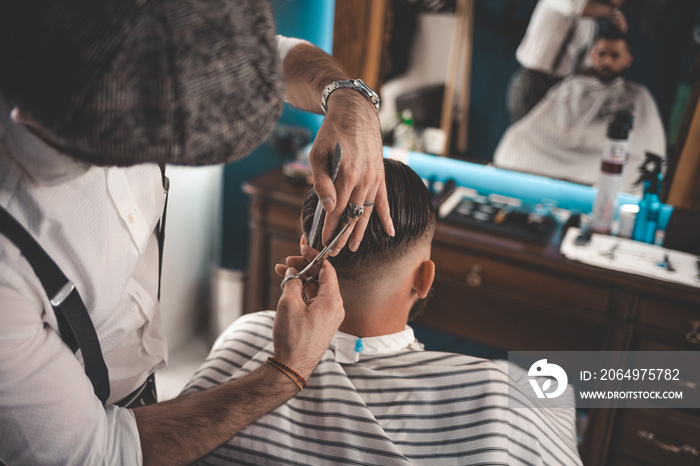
(306, 19)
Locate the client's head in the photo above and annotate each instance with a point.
(610, 54)
(387, 276)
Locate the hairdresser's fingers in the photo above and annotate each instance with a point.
(381, 204)
(358, 232)
(330, 223)
(328, 289)
(357, 229)
(319, 159)
(292, 289)
(297, 262)
(311, 290)
(281, 269)
(308, 252)
(357, 197)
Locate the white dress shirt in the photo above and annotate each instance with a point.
(98, 225)
(546, 32)
(385, 401)
(563, 136)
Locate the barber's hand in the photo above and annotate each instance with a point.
(353, 121)
(298, 262)
(619, 20)
(303, 330)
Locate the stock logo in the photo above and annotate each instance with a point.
(542, 368)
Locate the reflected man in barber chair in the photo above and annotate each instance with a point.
(564, 135)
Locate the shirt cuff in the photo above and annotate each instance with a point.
(285, 44)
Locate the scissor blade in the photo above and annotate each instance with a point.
(320, 214)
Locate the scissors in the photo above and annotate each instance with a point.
(353, 213)
(320, 214)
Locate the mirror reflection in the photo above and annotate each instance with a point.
(545, 79)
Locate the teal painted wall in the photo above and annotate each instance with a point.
(306, 19)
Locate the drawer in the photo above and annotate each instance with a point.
(277, 217)
(556, 291)
(688, 381)
(500, 322)
(679, 321)
(659, 436)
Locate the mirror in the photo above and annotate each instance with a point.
(663, 37)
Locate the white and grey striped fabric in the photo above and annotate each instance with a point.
(388, 408)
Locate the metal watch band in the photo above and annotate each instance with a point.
(356, 84)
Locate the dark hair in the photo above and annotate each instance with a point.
(411, 211)
(612, 32)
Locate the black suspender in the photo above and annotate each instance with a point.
(74, 321)
(564, 45)
(161, 224)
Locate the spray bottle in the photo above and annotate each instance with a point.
(405, 135)
(648, 216)
(615, 155)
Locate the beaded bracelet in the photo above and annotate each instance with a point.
(288, 371)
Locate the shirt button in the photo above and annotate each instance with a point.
(131, 218)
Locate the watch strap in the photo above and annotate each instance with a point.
(356, 84)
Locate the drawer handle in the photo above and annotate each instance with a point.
(650, 437)
(686, 384)
(474, 277)
(693, 336)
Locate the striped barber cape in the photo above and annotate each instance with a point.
(386, 401)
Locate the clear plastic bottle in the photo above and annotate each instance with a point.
(405, 134)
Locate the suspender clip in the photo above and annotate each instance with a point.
(62, 294)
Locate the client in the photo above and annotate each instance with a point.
(377, 397)
(563, 136)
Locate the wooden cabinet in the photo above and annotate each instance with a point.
(517, 296)
(658, 436)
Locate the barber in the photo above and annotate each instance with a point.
(554, 46)
(94, 95)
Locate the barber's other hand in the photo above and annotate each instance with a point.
(302, 330)
(353, 121)
(619, 20)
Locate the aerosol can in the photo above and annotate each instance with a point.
(615, 155)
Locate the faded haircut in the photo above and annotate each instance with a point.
(411, 211)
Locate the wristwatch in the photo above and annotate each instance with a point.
(614, 13)
(356, 84)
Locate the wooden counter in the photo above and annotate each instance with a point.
(519, 296)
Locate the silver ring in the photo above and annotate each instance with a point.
(368, 203)
(355, 210)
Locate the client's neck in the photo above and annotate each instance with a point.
(372, 311)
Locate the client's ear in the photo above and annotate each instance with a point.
(423, 278)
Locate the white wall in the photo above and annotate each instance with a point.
(428, 63)
(192, 246)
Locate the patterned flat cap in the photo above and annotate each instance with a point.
(120, 82)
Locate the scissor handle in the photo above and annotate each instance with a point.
(325, 252)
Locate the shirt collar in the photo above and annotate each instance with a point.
(348, 348)
(42, 163)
